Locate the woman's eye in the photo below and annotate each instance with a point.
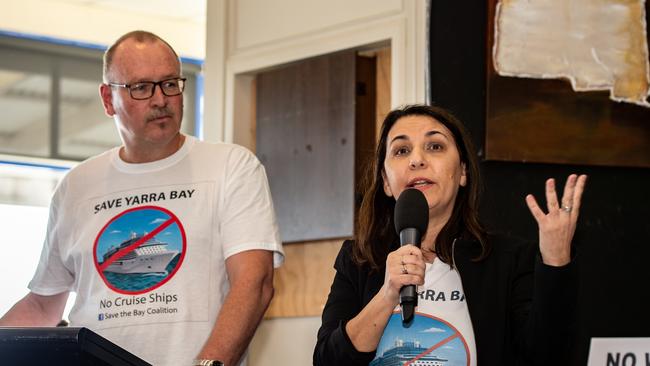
(401, 151)
(434, 146)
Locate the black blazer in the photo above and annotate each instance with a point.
(522, 310)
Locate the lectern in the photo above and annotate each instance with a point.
(56, 346)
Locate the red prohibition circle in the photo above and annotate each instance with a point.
(457, 334)
(172, 220)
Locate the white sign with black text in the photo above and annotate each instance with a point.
(619, 352)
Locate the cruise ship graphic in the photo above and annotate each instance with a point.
(404, 352)
(150, 257)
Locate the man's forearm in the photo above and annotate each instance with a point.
(241, 313)
(35, 310)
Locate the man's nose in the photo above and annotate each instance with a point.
(158, 98)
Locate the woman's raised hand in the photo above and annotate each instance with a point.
(556, 228)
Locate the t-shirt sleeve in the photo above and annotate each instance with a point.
(52, 276)
(246, 214)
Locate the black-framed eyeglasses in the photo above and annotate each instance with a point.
(145, 89)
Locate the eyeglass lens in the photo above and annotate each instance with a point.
(146, 89)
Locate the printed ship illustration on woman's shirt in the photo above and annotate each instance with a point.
(408, 352)
(150, 257)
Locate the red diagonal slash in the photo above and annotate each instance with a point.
(122, 252)
(437, 345)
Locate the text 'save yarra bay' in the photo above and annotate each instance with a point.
(143, 198)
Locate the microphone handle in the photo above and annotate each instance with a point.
(410, 235)
(408, 295)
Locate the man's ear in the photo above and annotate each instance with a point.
(463, 175)
(106, 93)
(386, 187)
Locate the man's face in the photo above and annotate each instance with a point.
(153, 122)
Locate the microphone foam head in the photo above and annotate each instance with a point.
(412, 211)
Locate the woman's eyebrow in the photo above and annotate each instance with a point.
(428, 134)
(434, 132)
(399, 137)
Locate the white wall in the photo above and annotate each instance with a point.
(101, 25)
(245, 36)
(23, 232)
(284, 341)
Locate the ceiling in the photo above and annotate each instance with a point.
(192, 10)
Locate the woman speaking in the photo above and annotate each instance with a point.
(481, 299)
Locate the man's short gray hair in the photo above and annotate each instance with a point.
(137, 35)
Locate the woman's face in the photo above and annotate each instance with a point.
(421, 153)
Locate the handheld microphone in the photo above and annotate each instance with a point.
(411, 221)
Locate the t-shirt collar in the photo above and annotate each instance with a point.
(139, 168)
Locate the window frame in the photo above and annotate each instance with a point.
(54, 51)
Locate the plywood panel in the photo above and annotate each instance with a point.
(303, 282)
(383, 86)
(305, 139)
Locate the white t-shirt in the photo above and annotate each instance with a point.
(144, 245)
(441, 332)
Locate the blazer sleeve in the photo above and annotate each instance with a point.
(333, 346)
(543, 326)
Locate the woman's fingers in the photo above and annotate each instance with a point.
(551, 195)
(537, 212)
(408, 254)
(411, 270)
(567, 195)
(581, 181)
(571, 197)
(406, 266)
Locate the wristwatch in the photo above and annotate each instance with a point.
(200, 362)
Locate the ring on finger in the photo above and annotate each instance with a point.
(566, 208)
(404, 270)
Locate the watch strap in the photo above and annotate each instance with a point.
(203, 362)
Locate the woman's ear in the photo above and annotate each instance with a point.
(463, 175)
(386, 186)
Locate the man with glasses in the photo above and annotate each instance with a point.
(169, 242)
